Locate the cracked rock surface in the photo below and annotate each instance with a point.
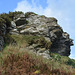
(38, 25)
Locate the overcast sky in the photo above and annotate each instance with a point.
(63, 10)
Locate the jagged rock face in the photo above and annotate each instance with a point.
(60, 41)
(2, 34)
(47, 27)
(1, 43)
(2, 29)
(61, 45)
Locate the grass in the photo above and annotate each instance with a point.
(16, 60)
(6, 18)
(29, 40)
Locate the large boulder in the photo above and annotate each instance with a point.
(33, 24)
(48, 27)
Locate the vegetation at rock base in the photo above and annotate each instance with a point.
(63, 59)
(28, 40)
(71, 62)
(17, 60)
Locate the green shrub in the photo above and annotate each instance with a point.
(71, 62)
(2, 21)
(18, 63)
(6, 18)
(56, 57)
(13, 14)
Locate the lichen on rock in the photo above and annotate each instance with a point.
(37, 25)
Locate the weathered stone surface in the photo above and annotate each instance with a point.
(62, 45)
(13, 24)
(2, 29)
(39, 51)
(19, 16)
(1, 43)
(2, 34)
(47, 27)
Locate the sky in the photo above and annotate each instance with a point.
(62, 10)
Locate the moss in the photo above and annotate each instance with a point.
(26, 22)
(71, 62)
(53, 19)
(44, 26)
(9, 39)
(38, 40)
(43, 43)
(29, 13)
(42, 16)
(29, 40)
(26, 27)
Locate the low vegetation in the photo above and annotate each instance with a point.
(63, 59)
(13, 14)
(28, 40)
(16, 60)
(7, 18)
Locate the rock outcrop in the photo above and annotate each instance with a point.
(2, 34)
(33, 24)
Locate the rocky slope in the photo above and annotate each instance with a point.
(33, 24)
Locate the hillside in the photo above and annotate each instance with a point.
(32, 44)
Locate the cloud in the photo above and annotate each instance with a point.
(63, 10)
(51, 10)
(25, 6)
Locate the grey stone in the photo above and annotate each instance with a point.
(19, 16)
(13, 24)
(40, 26)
